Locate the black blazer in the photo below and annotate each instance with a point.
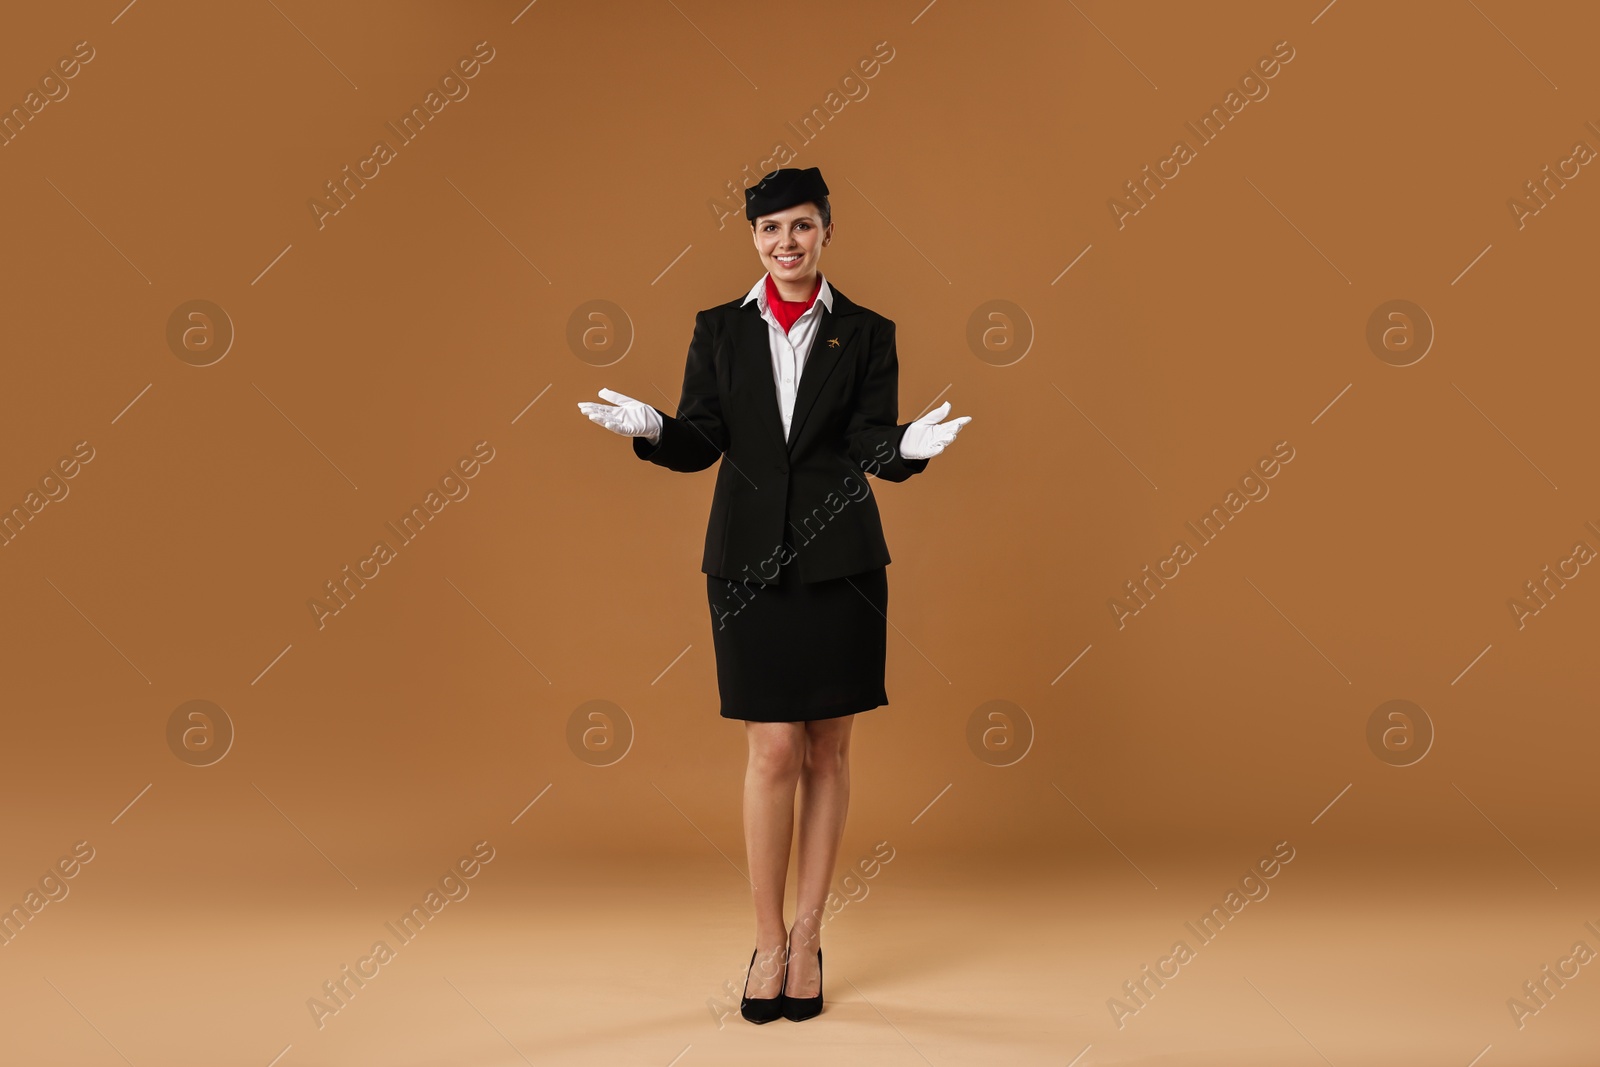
(806, 498)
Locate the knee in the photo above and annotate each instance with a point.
(777, 759)
(826, 756)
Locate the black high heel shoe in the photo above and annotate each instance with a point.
(798, 1009)
(761, 1009)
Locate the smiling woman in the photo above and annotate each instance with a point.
(793, 387)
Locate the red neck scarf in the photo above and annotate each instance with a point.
(787, 311)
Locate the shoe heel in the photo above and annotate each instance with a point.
(799, 1009)
(761, 1009)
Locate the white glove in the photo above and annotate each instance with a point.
(927, 437)
(628, 417)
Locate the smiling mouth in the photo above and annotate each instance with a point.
(787, 261)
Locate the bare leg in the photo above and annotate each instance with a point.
(771, 774)
(824, 800)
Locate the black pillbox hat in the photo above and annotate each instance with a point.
(784, 187)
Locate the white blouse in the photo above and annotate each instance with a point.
(789, 350)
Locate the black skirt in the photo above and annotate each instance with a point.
(798, 651)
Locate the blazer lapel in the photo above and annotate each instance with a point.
(834, 334)
(753, 339)
(832, 338)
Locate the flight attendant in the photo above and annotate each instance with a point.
(794, 388)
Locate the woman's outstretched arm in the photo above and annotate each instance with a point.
(873, 436)
(696, 437)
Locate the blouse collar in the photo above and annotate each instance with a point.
(758, 293)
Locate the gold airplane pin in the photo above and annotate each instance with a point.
(833, 342)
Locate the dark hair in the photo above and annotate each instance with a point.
(823, 211)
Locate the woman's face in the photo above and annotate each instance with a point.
(790, 242)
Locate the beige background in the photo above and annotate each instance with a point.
(434, 311)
